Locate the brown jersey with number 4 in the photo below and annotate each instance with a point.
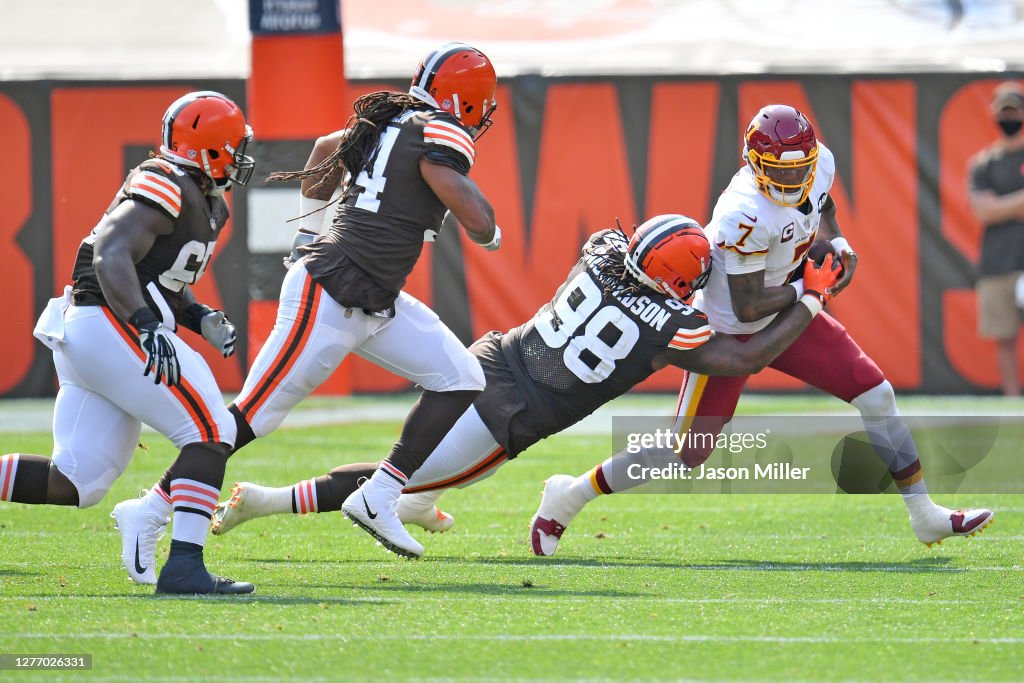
(593, 342)
(378, 230)
(176, 259)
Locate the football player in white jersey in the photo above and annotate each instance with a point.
(762, 227)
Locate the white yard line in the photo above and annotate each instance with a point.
(21, 415)
(865, 567)
(531, 637)
(521, 596)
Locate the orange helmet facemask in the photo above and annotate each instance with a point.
(206, 130)
(460, 80)
(670, 254)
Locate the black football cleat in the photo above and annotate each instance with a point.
(186, 574)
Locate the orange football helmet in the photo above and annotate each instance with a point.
(670, 254)
(206, 130)
(460, 80)
(781, 149)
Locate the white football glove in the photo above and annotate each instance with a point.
(302, 238)
(219, 331)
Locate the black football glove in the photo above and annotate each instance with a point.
(161, 358)
(155, 339)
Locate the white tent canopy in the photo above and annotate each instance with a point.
(210, 38)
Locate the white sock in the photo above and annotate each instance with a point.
(189, 526)
(159, 501)
(424, 500)
(582, 488)
(918, 503)
(194, 502)
(387, 481)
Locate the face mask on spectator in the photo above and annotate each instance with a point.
(1010, 126)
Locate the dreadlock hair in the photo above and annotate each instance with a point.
(373, 111)
(609, 262)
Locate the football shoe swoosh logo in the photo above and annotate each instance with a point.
(369, 513)
(138, 565)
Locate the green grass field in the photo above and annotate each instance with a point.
(700, 587)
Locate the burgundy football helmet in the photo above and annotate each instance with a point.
(781, 149)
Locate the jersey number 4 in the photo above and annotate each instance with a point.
(591, 355)
(373, 186)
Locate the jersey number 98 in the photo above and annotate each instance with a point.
(588, 355)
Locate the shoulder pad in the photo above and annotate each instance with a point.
(156, 183)
(693, 331)
(443, 133)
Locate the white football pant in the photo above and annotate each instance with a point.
(313, 334)
(104, 399)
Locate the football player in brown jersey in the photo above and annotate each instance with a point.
(400, 164)
(121, 363)
(620, 316)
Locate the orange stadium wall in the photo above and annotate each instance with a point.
(565, 157)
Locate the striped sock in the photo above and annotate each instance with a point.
(193, 503)
(25, 478)
(159, 499)
(8, 471)
(303, 497)
(910, 483)
(386, 468)
(612, 475)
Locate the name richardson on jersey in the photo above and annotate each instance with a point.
(648, 310)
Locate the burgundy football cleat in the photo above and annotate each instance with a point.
(555, 513)
(544, 536)
(941, 523)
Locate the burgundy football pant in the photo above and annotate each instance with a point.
(824, 356)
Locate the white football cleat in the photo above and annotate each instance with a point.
(411, 510)
(940, 523)
(553, 516)
(373, 507)
(141, 526)
(247, 501)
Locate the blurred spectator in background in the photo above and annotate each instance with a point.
(996, 184)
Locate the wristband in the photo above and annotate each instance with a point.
(495, 241)
(193, 317)
(310, 218)
(812, 300)
(142, 317)
(798, 285)
(841, 245)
